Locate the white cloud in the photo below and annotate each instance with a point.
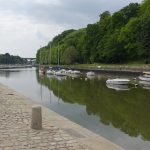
(21, 36)
(46, 2)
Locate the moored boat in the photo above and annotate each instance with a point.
(118, 81)
(118, 87)
(145, 76)
(50, 72)
(61, 72)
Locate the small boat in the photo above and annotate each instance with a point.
(118, 81)
(50, 72)
(145, 76)
(90, 73)
(69, 72)
(76, 72)
(61, 72)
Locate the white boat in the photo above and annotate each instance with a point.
(73, 72)
(76, 72)
(61, 72)
(118, 81)
(145, 76)
(69, 71)
(90, 73)
(50, 71)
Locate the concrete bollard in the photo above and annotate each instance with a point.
(36, 122)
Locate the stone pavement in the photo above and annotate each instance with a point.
(15, 131)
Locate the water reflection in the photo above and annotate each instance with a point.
(122, 117)
(118, 87)
(145, 84)
(6, 73)
(128, 111)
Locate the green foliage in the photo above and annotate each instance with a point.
(10, 59)
(70, 55)
(130, 39)
(145, 5)
(118, 38)
(145, 34)
(122, 17)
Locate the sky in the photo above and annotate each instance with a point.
(27, 25)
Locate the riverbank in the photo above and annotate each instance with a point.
(108, 68)
(104, 68)
(58, 132)
(14, 66)
(111, 68)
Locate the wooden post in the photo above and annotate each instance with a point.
(36, 122)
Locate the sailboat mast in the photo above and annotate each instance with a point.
(58, 54)
(40, 57)
(50, 53)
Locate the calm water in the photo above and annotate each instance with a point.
(120, 114)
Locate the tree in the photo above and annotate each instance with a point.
(122, 17)
(145, 34)
(70, 55)
(113, 50)
(130, 39)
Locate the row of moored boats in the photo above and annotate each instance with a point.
(64, 72)
(120, 83)
(144, 79)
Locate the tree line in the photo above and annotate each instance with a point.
(10, 59)
(121, 37)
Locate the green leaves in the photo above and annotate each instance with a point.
(10, 59)
(117, 38)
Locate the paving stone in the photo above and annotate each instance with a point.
(16, 132)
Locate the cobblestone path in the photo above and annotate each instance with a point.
(15, 131)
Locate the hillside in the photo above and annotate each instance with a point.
(116, 38)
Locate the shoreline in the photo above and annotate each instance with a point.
(122, 69)
(111, 69)
(14, 66)
(83, 136)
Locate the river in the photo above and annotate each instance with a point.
(120, 114)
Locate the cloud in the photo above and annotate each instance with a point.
(27, 24)
(21, 36)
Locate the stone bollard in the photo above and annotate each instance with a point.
(36, 122)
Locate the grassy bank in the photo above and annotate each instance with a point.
(111, 66)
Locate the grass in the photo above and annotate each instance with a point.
(130, 65)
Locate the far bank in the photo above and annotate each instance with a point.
(107, 68)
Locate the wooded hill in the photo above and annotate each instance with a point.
(10, 59)
(121, 37)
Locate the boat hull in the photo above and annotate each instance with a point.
(144, 78)
(118, 81)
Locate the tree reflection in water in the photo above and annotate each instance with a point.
(126, 110)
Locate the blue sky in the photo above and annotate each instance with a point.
(25, 25)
